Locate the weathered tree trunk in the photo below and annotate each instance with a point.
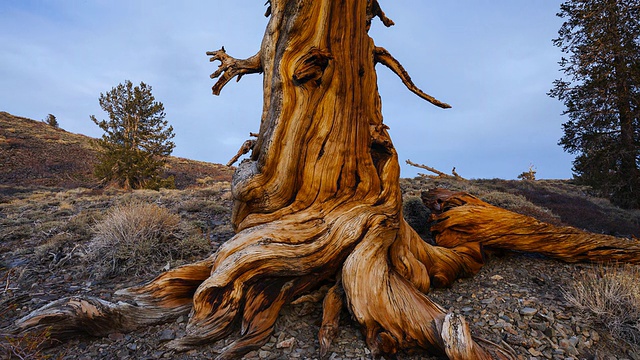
(460, 218)
(318, 201)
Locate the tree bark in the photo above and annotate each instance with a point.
(460, 218)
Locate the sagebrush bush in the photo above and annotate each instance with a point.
(139, 238)
(610, 296)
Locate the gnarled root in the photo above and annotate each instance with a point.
(331, 309)
(258, 271)
(386, 268)
(461, 218)
(394, 313)
(165, 298)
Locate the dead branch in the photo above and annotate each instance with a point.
(381, 55)
(231, 67)
(439, 173)
(374, 10)
(245, 148)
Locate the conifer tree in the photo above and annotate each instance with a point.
(137, 138)
(51, 121)
(601, 94)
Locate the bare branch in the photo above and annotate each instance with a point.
(245, 148)
(439, 173)
(381, 55)
(231, 67)
(267, 13)
(374, 10)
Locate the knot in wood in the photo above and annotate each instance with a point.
(310, 66)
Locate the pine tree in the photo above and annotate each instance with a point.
(137, 138)
(51, 121)
(601, 94)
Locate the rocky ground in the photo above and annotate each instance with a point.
(516, 300)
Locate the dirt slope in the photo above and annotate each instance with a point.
(33, 153)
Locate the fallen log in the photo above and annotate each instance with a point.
(459, 218)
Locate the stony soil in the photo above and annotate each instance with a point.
(516, 300)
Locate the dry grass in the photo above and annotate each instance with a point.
(26, 346)
(139, 238)
(610, 296)
(29, 346)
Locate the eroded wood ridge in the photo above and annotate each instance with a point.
(460, 217)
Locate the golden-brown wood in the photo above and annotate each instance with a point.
(331, 308)
(319, 197)
(460, 218)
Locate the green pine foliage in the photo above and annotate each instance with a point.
(137, 138)
(51, 120)
(602, 94)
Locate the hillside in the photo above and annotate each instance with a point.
(33, 153)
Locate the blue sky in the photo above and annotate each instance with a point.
(493, 61)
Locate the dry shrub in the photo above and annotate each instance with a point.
(520, 205)
(610, 296)
(207, 180)
(28, 346)
(139, 238)
(203, 205)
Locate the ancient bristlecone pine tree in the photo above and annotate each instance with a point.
(318, 201)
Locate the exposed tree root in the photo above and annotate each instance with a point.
(332, 306)
(461, 218)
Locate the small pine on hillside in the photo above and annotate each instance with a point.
(137, 138)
